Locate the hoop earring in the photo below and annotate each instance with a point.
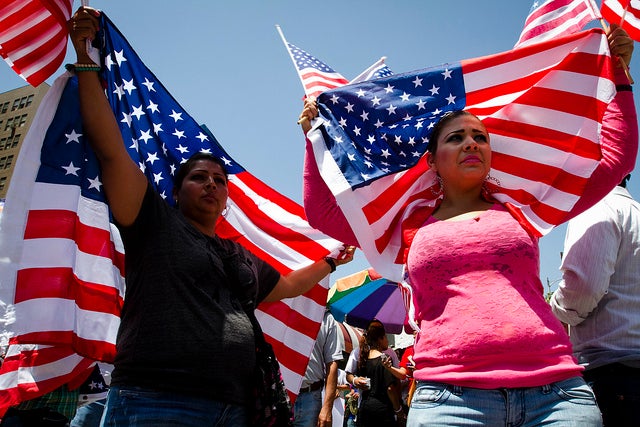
(439, 190)
(225, 211)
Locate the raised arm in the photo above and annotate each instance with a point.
(123, 182)
(619, 141)
(320, 205)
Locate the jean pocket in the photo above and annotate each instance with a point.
(430, 394)
(575, 390)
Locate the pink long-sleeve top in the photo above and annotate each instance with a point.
(479, 300)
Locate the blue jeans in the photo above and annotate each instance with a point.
(307, 408)
(138, 407)
(89, 414)
(569, 403)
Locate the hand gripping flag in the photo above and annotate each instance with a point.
(33, 36)
(556, 18)
(625, 13)
(542, 104)
(64, 282)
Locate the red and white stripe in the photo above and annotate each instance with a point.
(33, 36)
(556, 18)
(625, 13)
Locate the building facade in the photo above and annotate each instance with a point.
(17, 110)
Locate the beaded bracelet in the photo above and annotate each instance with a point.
(83, 67)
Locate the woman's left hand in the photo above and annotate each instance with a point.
(345, 255)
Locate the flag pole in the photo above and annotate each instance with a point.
(286, 45)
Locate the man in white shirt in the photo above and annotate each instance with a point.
(599, 298)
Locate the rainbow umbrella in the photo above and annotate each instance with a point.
(370, 299)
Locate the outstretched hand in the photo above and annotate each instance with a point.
(345, 255)
(309, 112)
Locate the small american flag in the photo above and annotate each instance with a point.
(555, 18)
(33, 36)
(625, 13)
(67, 269)
(542, 104)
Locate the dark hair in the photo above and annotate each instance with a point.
(374, 332)
(623, 183)
(186, 167)
(432, 146)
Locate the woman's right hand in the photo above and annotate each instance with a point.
(309, 112)
(83, 26)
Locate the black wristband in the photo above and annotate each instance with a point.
(331, 263)
(623, 88)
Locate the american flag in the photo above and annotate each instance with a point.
(67, 268)
(625, 13)
(542, 104)
(33, 36)
(554, 18)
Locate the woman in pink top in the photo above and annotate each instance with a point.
(490, 352)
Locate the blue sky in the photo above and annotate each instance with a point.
(225, 63)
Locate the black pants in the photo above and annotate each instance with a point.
(41, 417)
(617, 390)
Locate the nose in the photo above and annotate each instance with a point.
(210, 182)
(471, 145)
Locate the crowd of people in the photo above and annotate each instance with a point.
(490, 350)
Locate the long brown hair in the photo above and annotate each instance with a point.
(375, 331)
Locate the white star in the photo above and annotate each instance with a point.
(134, 144)
(339, 139)
(157, 177)
(202, 137)
(356, 130)
(71, 169)
(398, 139)
(349, 107)
(146, 136)
(407, 117)
(152, 157)
(179, 133)
(73, 136)
(172, 169)
(416, 154)
(434, 90)
(421, 105)
(389, 88)
(451, 99)
(378, 124)
(175, 116)
(119, 57)
(352, 157)
(412, 141)
(342, 122)
(94, 183)
(119, 91)
(446, 73)
(334, 99)
(149, 85)
(153, 107)
(385, 153)
(371, 139)
(108, 62)
(365, 176)
(226, 161)
(418, 125)
(368, 164)
(157, 128)
(360, 93)
(404, 96)
(391, 109)
(364, 116)
(437, 112)
(417, 82)
(129, 86)
(142, 167)
(138, 112)
(126, 118)
(182, 149)
(375, 101)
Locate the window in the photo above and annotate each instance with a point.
(29, 100)
(14, 144)
(3, 160)
(9, 123)
(3, 141)
(4, 107)
(3, 182)
(9, 162)
(15, 105)
(23, 120)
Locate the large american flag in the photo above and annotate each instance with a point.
(542, 104)
(625, 13)
(33, 36)
(554, 18)
(64, 283)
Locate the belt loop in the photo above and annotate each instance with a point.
(457, 390)
(546, 389)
